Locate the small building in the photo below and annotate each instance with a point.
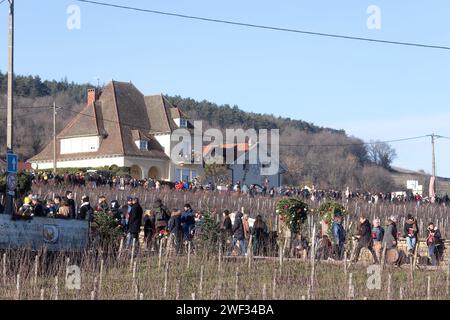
(120, 126)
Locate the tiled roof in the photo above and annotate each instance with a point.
(119, 115)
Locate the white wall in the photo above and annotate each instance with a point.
(86, 163)
(79, 145)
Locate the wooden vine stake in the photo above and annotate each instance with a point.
(36, 260)
(160, 253)
(236, 285)
(56, 288)
(264, 292)
(313, 260)
(132, 253)
(389, 295)
(177, 289)
(18, 287)
(200, 286)
(120, 248)
(166, 276)
(189, 255)
(4, 269)
(42, 296)
(100, 276)
(429, 288)
(351, 289)
(274, 284)
(447, 288)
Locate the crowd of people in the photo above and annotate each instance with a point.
(379, 240)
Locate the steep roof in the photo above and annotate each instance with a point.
(119, 111)
(160, 114)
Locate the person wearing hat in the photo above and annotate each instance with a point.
(26, 210)
(391, 235)
(162, 215)
(338, 236)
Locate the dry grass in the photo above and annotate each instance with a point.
(123, 278)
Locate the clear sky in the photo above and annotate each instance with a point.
(373, 91)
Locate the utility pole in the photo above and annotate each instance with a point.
(54, 138)
(9, 112)
(433, 136)
(9, 121)
(433, 164)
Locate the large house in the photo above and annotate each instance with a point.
(120, 126)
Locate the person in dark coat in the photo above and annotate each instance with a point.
(38, 208)
(227, 232)
(365, 239)
(86, 212)
(260, 236)
(71, 203)
(176, 231)
(187, 222)
(238, 233)
(434, 243)
(338, 237)
(134, 223)
(149, 229)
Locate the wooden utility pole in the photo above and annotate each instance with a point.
(9, 121)
(10, 102)
(54, 138)
(433, 155)
(433, 164)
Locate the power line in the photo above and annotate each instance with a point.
(2, 1)
(266, 27)
(281, 145)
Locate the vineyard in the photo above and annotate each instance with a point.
(203, 272)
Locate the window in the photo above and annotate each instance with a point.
(142, 144)
(186, 175)
(194, 174)
(183, 123)
(177, 174)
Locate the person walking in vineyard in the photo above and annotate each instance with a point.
(365, 239)
(238, 233)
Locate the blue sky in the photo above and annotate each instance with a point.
(373, 91)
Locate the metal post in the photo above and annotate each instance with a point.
(10, 103)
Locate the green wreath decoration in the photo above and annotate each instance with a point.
(293, 212)
(327, 212)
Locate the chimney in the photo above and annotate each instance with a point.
(91, 96)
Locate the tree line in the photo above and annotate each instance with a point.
(325, 157)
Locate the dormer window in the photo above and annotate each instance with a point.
(142, 144)
(183, 123)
